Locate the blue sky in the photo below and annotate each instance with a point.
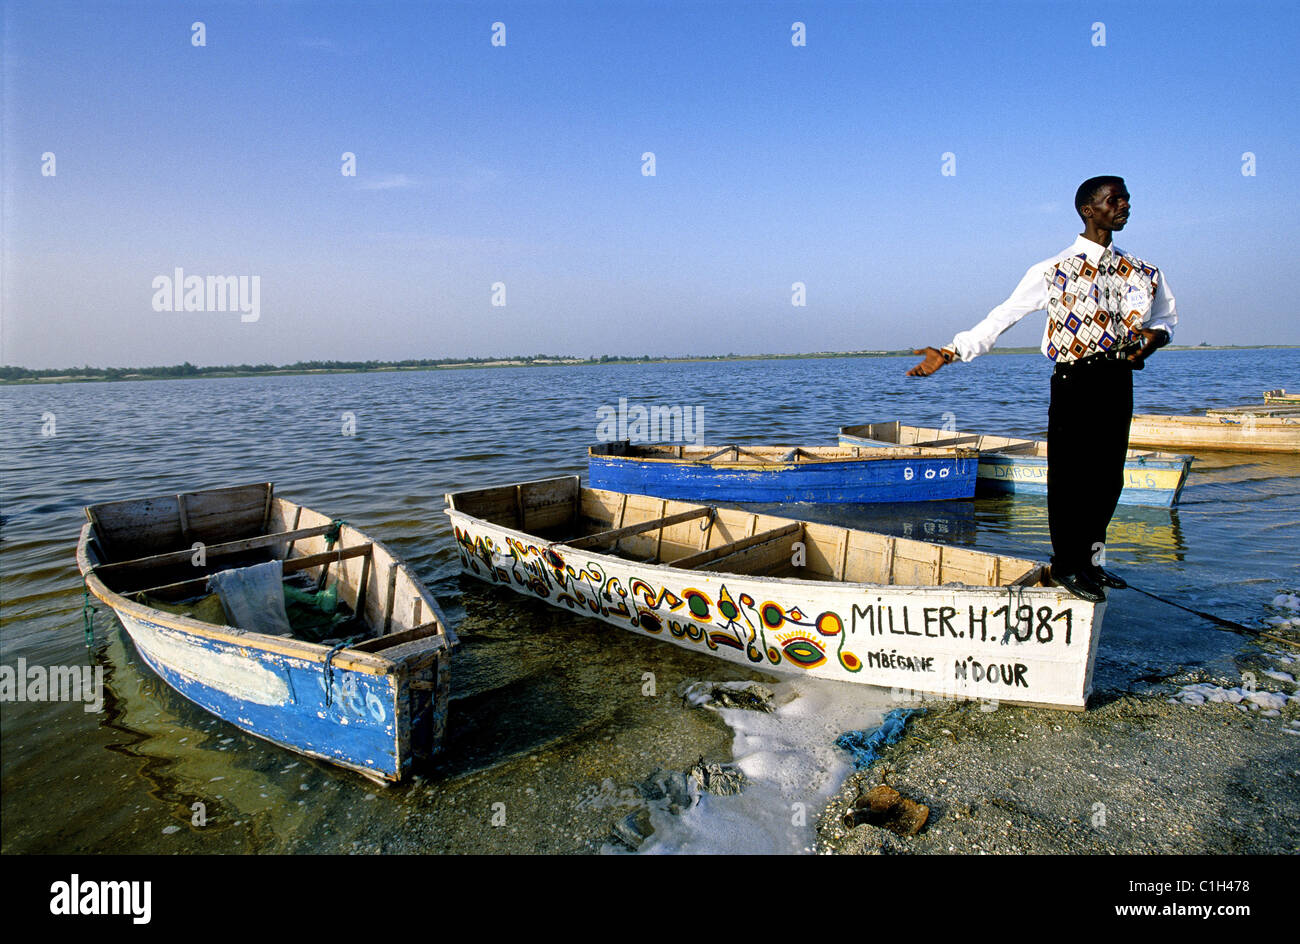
(521, 164)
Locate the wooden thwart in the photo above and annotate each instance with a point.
(1029, 446)
(762, 552)
(291, 566)
(942, 443)
(737, 452)
(726, 550)
(231, 547)
(394, 639)
(605, 537)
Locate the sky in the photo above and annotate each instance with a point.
(906, 164)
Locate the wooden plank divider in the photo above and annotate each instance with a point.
(297, 517)
(392, 592)
(230, 547)
(360, 607)
(291, 566)
(726, 550)
(378, 643)
(659, 541)
(604, 537)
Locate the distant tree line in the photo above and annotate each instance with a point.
(189, 370)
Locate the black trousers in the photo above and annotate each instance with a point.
(1087, 443)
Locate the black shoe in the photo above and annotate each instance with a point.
(1081, 585)
(1106, 578)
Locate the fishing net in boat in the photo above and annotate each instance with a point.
(259, 599)
(253, 597)
(318, 615)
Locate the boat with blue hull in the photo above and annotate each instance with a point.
(1010, 466)
(354, 669)
(785, 474)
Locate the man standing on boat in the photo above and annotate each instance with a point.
(1107, 312)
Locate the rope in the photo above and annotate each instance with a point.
(1220, 622)
(88, 612)
(332, 535)
(329, 667)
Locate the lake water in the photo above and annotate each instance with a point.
(546, 705)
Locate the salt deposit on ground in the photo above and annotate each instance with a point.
(792, 766)
(1204, 692)
(1290, 601)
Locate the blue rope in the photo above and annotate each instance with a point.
(865, 745)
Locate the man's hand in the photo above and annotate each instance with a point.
(934, 359)
(1154, 338)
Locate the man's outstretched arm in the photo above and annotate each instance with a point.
(1030, 295)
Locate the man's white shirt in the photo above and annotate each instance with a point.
(1033, 294)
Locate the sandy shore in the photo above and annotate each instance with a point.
(1133, 774)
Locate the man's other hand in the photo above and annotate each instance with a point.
(1154, 338)
(934, 359)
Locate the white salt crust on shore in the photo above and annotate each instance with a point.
(792, 765)
(1247, 700)
(1268, 704)
(1287, 601)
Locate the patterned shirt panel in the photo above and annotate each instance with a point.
(1092, 307)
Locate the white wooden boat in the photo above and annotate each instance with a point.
(1269, 427)
(1280, 396)
(373, 701)
(1008, 465)
(785, 596)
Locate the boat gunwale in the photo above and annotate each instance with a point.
(885, 453)
(1284, 420)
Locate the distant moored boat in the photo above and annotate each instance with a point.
(1266, 427)
(1019, 466)
(783, 474)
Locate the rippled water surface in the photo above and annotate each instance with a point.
(545, 704)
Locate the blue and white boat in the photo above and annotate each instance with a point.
(785, 474)
(360, 677)
(1019, 466)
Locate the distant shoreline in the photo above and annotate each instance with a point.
(188, 371)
